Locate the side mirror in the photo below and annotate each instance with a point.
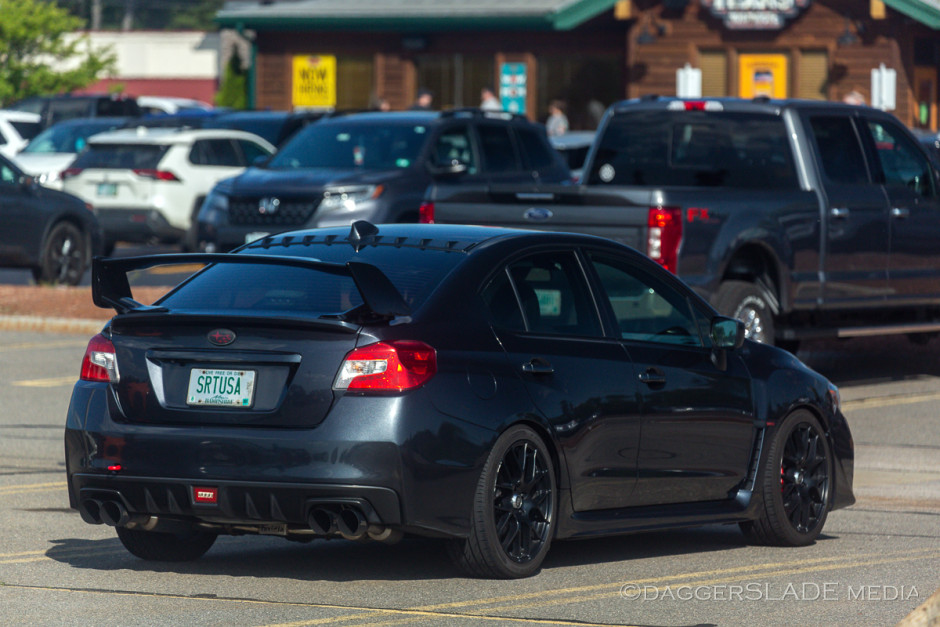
(260, 161)
(727, 332)
(454, 168)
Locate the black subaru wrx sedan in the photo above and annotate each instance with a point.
(499, 389)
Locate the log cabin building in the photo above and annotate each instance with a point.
(349, 54)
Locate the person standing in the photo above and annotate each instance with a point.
(488, 100)
(424, 100)
(557, 122)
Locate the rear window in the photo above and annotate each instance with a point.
(27, 130)
(121, 156)
(234, 288)
(374, 146)
(695, 149)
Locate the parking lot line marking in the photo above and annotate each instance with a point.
(609, 589)
(886, 401)
(187, 268)
(32, 345)
(32, 487)
(50, 382)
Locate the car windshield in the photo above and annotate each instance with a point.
(250, 288)
(364, 146)
(121, 156)
(65, 137)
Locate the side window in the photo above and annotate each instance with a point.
(499, 154)
(539, 153)
(452, 145)
(544, 293)
(215, 152)
(251, 151)
(839, 150)
(7, 175)
(646, 309)
(901, 162)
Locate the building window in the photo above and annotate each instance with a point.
(354, 81)
(714, 64)
(587, 84)
(813, 75)
(455, 79)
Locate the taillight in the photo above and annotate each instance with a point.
(426, 213)
(100, 362)
(157, 175)
(665, 234)
(69, 173)
(387, 367)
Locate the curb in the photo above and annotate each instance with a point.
(77, 326)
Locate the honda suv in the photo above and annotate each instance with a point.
(373, 166)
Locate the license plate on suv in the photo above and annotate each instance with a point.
(221, 388)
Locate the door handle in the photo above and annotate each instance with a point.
(653, 376)
(900, 212)
(537, 365)
(839, 213)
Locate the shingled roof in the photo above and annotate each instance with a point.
(411, 15)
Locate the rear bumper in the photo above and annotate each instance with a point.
(404, 464)
(137, 225)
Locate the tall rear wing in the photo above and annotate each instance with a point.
(110, 287)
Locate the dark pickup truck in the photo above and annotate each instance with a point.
(804, 219)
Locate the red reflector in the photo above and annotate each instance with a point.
(205, 495)
(426, 213)
(387, 367)
(115, 468)
(157, 175)
(664, 236)
(100, 362)
(694, 105)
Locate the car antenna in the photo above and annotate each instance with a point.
(360, 232)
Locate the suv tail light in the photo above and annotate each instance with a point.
(665, 235)
(69, 173)
(426, 213)
(157, 175)
(387, 367)
(100, 362)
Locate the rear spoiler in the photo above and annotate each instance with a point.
(111, 289)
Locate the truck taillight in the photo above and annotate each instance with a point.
(426, 213)
(664, 236)
(100, 362)
(387, 367)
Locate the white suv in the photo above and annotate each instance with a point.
(147, 184)
(16, 129)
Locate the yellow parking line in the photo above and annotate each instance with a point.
(188, 268)
(887, 401)
(32, 345)
(33, 487)
(50, 382)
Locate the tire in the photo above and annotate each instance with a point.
(746, 302)
(64, 256)
(166, 547)
(795, 497)
(513, 517)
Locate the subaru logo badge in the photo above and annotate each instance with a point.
(221, 337)
(268, 206)
(537, 214)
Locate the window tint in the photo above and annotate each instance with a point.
(251, 151)
(453, 145)
(7, 175)
(695, 149)
(499, 154)
(121, 156)
(645, 308)
(27, 130)
(839, 150)
(902, 163)
(537, 149)
(544, 293)
(365, 146)
(215, 152)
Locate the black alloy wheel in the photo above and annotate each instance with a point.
(514, 509)
(796, 484)
(63, 257)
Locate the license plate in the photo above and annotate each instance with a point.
(221, 388)
(250, 237)
(107, 189)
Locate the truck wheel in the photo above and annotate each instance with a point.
(795, 485)
(63, 256)
(746, 302)
(166, 547)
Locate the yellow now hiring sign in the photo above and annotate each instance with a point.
(314, 81)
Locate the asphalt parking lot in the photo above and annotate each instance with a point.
(875, 562)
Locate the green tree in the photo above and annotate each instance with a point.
(233, 92)
(37, 56)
